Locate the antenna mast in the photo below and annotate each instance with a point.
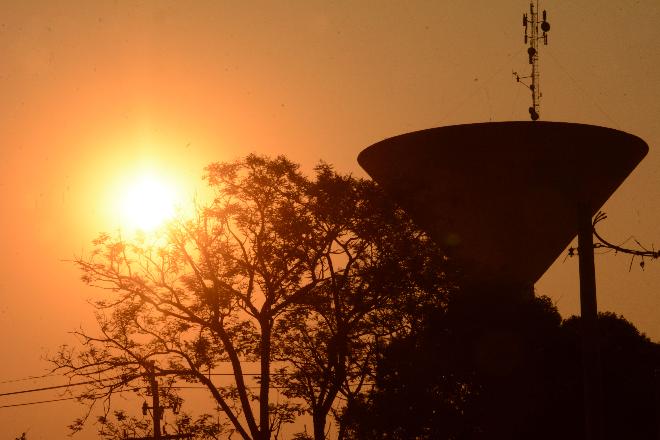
(531, 25)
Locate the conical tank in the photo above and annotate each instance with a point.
(502, 198)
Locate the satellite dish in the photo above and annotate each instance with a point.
(502, 198)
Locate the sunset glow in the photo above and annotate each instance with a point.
(116, 115)
(146, 202)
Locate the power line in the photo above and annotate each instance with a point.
(37, 403)
(74, 398)
(23, 379)
(45, 376)
(54, 387)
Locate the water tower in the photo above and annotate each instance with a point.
(505, 199)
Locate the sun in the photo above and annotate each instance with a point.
(146, 202)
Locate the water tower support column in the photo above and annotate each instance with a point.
(589, 322)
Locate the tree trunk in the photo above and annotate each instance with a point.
(264, 353)
(319, 425)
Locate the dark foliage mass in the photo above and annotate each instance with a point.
(496, 367)
(297, 278)
(340, 303)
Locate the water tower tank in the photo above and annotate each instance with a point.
(502, 198)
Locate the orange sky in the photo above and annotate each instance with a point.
(94, 90)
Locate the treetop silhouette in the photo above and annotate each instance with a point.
(296, 277)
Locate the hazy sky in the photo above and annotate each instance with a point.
(92, 92)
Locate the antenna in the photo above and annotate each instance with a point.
(531, 25)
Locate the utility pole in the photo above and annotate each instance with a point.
(591, 371)
(157, 410)
(531, 25)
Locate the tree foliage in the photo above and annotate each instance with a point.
(277, 272)
(119, 425)
(495, 367)
(389, 273)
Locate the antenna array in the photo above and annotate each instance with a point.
(531, 24)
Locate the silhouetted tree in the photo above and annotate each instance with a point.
(391, 271)
(630, 363)
(121, 425)
(274, 258)
(501, 367)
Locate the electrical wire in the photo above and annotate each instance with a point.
(47, 375)
(180, 387)
(23, 379)
(36, 403)
(54, 387)
(183, 387)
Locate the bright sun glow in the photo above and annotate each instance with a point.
(147, 202)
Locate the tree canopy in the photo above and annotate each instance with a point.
(491, 366)
(297, 277)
